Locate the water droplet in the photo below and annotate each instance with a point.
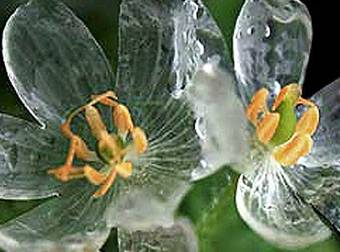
(267, 31)
(250, 30)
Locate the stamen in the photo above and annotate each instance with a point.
(293, 91)
(298, 146)
(106, 185)
(122, 119)
(95, 122)
(258, 104)
(124, 169)
(309, 121)
(279, 129)
(266, 128)
(139, 140)
(111, 148)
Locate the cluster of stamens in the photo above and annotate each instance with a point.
(111, 148)
(278, 128)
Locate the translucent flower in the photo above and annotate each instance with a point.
(106, 151)
(286, 147)
(179, 237)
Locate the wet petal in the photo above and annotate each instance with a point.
(179, 237)
(320, 187)
(267, 202)
(145, 83)
(147, 199)
(272, 41)
(161, 46)
(52, 60)
(326, 148)
(71, 222)
(26, 153)
(221, 123)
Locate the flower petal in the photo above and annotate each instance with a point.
(74, 221)
(267, 202)
(326, 148)
(272, 41)
(26, 152)
(179, 237)
(145, 84)
(161, 46)
(320, 187)
(52, 60)
(316, 178)
(222, 124)
(146, 200)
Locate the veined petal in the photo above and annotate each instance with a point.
(317, 176)
(26, 153)
(267, 202)
(52, 60)
(161, 45)
(272, 41)
(221, 123)
(146, 83)
(146, 200)
(179, 237)
(320, 187)
(72, 222)
(326, 148)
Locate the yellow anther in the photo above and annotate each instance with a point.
(108, 99)
(257, 105)
(95, 177)
(289, 153)
(266, 128)
(111, 148)
(309, 121)
(292, 90)
(140, 141)
(122, 119)
(124, 169)
(95, 122)
(106, 184)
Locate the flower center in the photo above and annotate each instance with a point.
(111, 148)
(279, 127)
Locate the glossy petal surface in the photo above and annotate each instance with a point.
(26, 153)
(320, 187)
(326, 149)
(317, 177)
(272, 41)
(162, 44)
(71, 222)
(52, 60)
(179, 237)
(267, 202)
(146, 82)
(221, 122)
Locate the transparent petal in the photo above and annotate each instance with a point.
(272, 41)
(320, 187)
(326, 148)
(72, 222)
(267, 202)
(180, 237)
(317, 177)
(221, 122)
(26, 152)
(145, 82)
(147, 199)
(161, 45)
(52, 60)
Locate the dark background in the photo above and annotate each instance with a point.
(229, 233)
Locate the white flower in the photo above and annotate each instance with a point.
(286, 147)
(55, 66)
